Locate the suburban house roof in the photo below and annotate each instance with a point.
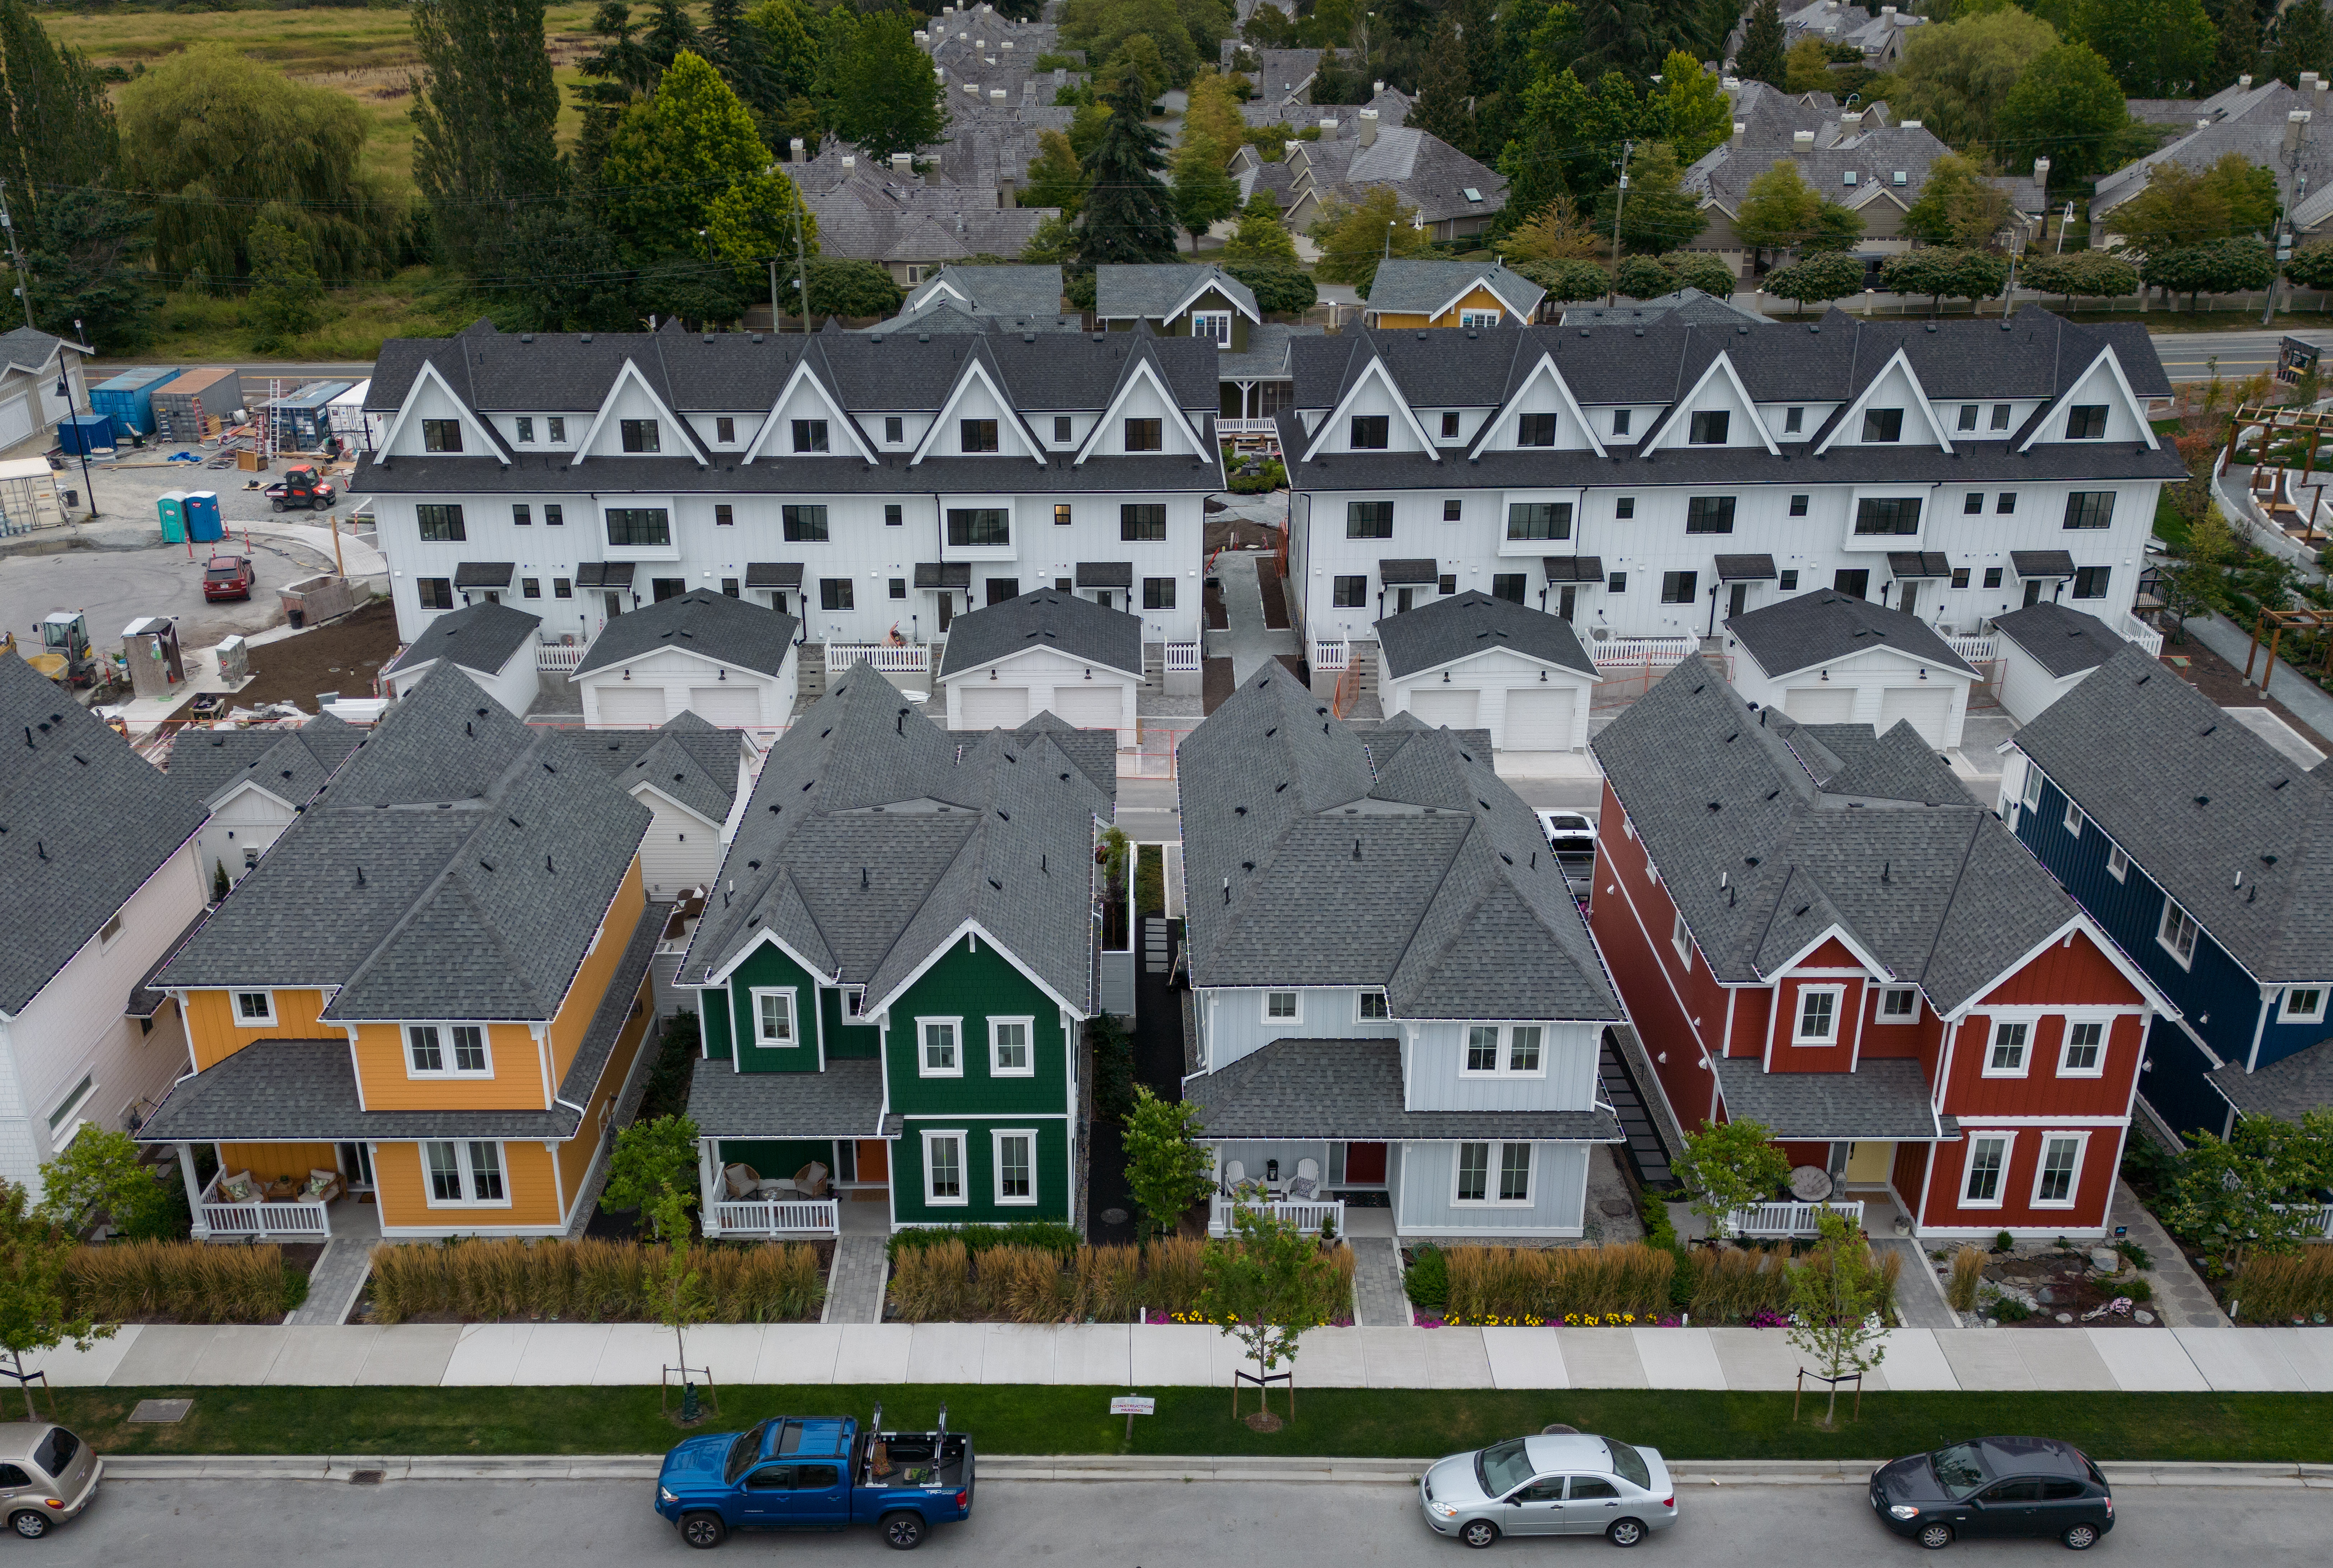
(845, 1100)
(1423, 171)
(865, 214)
(708, 625)
(2222, 821)
(873, 838)
(989, 291)
(1768, 835)
(1884, 1097)
(685, 757)
(481, 636)
(458, 865)
(1464, 625)
(942, 313)
(2287, 1089)
(291, 764)
(87, 822)
(1826, 625)
(1352, 1089)
(1157, 292)
(1049, 618)
(1265, 357)
(2062, 640)
(1315, 855)
(2250, 122)
(1424, 287)
(1690, 306)
(32, 349)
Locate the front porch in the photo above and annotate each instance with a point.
(790, 1156)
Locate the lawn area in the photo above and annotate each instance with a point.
(418, 303)
(1339, 1422)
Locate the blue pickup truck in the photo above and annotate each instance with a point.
(821, 1473)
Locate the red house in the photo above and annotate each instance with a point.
(1816, 928)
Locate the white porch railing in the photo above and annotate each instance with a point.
(260, 1220)
(1788, 1218)
(776, 1217)
(560, 657)
(1182, 658)
(889, 658)
(1247, 427)
(1976, 650)
(2323, 1222)
(1625, 651)
(1330, 653)
(2146, 637)
(1308, 1214)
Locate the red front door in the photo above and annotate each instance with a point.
(1365, 1164)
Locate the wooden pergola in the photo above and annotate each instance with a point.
(2270, 419)
(2275, 624)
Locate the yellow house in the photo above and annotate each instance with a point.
(429, 994)
(1413, 293)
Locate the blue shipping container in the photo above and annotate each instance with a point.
(80, 433)
(302, 419)
(130, 398)
(203, 517)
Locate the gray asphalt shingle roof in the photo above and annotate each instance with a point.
(843, 1100)
(291, 764)
(458, 865)
(1464, 625)
(1421, 287)
(685, 757)
(307, 1089)
(2286, 1090)
(1687, 305)
(1885, 1098)
(1315, 855)
(1352, 1089)
(2062, 640)
(1768, 833)
(1826, 625)
(1046, 618)
(84, 821)
(711, 625)
(873, 836)
(2215, 815)
(1152, 291)
(480, 636)
(1014, 290)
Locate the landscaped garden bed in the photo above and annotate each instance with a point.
(2248, 1213)
(1045, 1273)
(2056, 1286)
(589, 1281)
(190, 1281)
(1616, 1285)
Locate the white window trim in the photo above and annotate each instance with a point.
(1506, 1054)
(1880, 1013)
(2073, 819)
(1497, 1162)
(2024, 1052)
(1968, 1170)
(1478, 319)
(413, 1069)
(65, 1121)
(1798, 1017)
(2285, 1014)
(2163, 934)
(1211, 332)
(468, 1173)
(2031, 792)
(2117, 862)
(996, 1137)
(1361, 1014)
(924, 1069)
(2105, 1022)
(854, 998)
(1681, 939)
(1295, 1018)
(963, 1198)
(2041, 1163)
(243, 1019)
(793, 1017)
(996, 1069)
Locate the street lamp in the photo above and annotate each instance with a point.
(64, 390)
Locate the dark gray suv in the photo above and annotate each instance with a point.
(1995, 1486)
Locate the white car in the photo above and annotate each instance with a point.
(1554, 1483)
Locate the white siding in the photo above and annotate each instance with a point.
(667, 683)
(681, 849)
(1558, 706)
(514, 686)
(1865, 689)
(1048, 681)
(2026, 688)
(248, 820)
(1231, 1022)
(1424, 1194)
(1437, 1051)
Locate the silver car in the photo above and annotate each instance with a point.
(1555, 1484)
(47, 1475)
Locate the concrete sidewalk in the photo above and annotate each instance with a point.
(2307, 699)
(569, 1355)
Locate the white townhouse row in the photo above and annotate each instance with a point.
(873, 485)
(1652, 479)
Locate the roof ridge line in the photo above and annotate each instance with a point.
(1952, 893)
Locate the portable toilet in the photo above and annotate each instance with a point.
(80, 433)
(203, 517)
(172, 505)
(130, 398)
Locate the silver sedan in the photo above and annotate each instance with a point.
(1555, 1484)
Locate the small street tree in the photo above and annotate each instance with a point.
(1816, 279)
(1700, 270)
(1265, 1288)
(1281, 288)
(2311, 266)
(1836, 1296)
(99, 1173)
(1642, 278)
(1166, 1168)
(2198, 583)
(2085, 275)
(682, 1298)
(1729, 1166)
(2222, 267)
(36, 1312)
(651, 1159)
(2252, 1191)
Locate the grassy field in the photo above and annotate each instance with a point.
(417, 302)
(1343, 1422)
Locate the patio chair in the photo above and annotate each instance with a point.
(1234, 1176)
(1307, 1185)
(810, 1181)
(745, 1183)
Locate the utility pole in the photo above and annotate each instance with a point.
(24, 283)
(2296, 130)
(64, 390)
(801, 265)
(1619, 204)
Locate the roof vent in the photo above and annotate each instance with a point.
(526, 336)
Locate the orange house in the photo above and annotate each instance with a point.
(428, 995)
(1409, 293)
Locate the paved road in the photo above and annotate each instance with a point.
(1119, 1524)
(117, 586)
(2188, 355)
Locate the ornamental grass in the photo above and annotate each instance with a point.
(943, 1281)
(2284, 1286)
(1532, 1285)
(184, 1282)
(592, 1281)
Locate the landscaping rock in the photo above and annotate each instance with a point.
(2107, 1260)
(2064, 1317)
(2144, 1316)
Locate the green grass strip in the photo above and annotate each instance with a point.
(1375, 1423)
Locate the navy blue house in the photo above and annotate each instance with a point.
(2208, 855)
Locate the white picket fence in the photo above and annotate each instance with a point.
(1631, 652)
(2323, 1214)
(1788, 1218)
(1331, 653)
(889, 658)
(1182, 658)
(560, 659)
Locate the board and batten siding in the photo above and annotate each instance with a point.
(729, 1023)
(972, 984)
(681, 850)
(1052, 1171)
(248, 820)
(1497, 677)
(1433, 1053)
(1426, 1188)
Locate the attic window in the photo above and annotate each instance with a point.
(1898, 177)
(1847, 176)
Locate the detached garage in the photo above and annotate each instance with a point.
(1833, 658)
(1046, 652)
(1472, 662)
(2046, 649)
(492, 644)
(728, 662)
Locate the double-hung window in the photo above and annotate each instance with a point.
(456, 1050)
(943, 1168)
(2005, 1057)
(2177, 935)
(2117, 862)
(466, 1174)
(1818, 1016)
(1988, 1162)
(1015, 1156)
(1515, 1051)
(941, 1047)
(2059, 1171)
(1899, 1005)
(1372, 1005)
(773, 1019)
(1009, 1050)
(1494, 1173)
(2073, 820)
(2084, 1054)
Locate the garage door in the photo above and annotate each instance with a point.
(1539, 719)
(737, 707)
(15, 421)
(1819, 704)
(1929, 708)
(987, 707)
(1087, 707)
(631, 706)
(1447, 706)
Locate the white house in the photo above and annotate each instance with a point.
(2046, 649)
(254, 784)
(729, 661)
(98, 864)
(1832, 659)
(30, 361)
(1046, 652)
(1473, 662)
(693, 778)
(491, 643)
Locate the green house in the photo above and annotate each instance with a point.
(894, 967)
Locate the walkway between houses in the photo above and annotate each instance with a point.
(339, 1277)
(2181, 1296)
(2309, 701)
(854, 1285)
(1380, 1300)
(1248, 643)
(477, 1355)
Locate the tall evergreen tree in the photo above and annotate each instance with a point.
(669, 33)
(2238, 22)
(1761, 59)
(486, 116)
(615, 73)
(735, 48)
(1624, 35)
(1129, 213)
(2303, 41)
(1445, 106)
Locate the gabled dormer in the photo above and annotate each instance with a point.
(1893, 410)
(434, 420)
(1717, 412)
(2099, 409)
(1371, 416)
(1142, 418)
(979, 419)
(808, 419)
(1541, 415)
(633, 421)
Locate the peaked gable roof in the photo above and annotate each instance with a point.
(1826, 625)
(1158, 291)
(1412, 286)
(685, 757)
(1077, 629)
(993, 291)
(291, 764)
(711, 625)
(481, 636)
(2061, 639)
(1465, 624)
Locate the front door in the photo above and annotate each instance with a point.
(1103, 599)
(2033, 591)
(1365, 1164)
(1867, 1164)
(1567, 601)
(1740, 600)
(615, 603)
(356, 1167)
(947, 609)
(1402, 598)
(766, 1500)
(1907, 597)
(874, 1160)
(1593, 1505)
(1535, 1510)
